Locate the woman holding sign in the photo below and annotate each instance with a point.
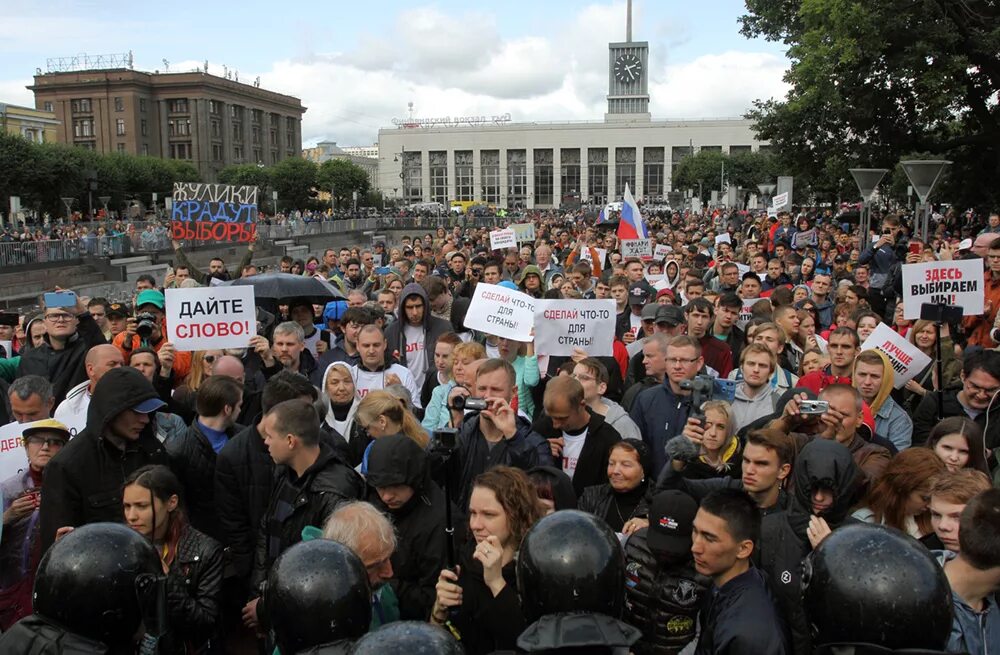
(924, 336)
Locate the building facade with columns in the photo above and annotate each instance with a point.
(548, 165)
(210, 121)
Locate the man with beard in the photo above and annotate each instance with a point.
(288, 352)
(825, 485)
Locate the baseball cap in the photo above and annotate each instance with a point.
(150, 297)
(671, 519)
(147, 406)
(649, 312)
(670, 314)
(46, 425)
(665, 292)
(119, 309)
(639, 293)
(841, 259)
(334, 310)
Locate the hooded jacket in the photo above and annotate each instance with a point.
(421, 546)
(532, 269)
(83, 482)
(891, 420)
(619, 419)
(748, 409)
(783, 540)
(434, 327)
(64, 368)
(563, 495)
(592, 465)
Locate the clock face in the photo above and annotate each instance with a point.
(627, 68)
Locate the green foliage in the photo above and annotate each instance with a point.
(343, 178)
(41, 174)
(874, 80)
(294, 179)
(707, 168)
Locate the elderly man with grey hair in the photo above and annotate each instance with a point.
(286, 351)
(366, 531)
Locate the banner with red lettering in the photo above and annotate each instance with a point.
(13, 456)
(907, 360)
(502, 312)
(957, 282)
(213, 212)
(562, 325)
(210, 318)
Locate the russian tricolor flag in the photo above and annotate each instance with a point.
(603, 216)
(631, 226)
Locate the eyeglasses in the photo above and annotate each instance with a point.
(59, 318)
(209, 359)
(677, 361)
(51, 442)
(975, 388)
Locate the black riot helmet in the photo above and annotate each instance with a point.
(571, 561)
(89, 582)
(870, 584)
(317, 592)
(408, 638)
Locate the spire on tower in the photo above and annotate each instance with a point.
(628, 21)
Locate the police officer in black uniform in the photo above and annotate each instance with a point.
(408, 638)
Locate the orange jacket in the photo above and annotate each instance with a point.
(978, 327)
(182, 360)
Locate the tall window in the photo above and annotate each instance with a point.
(83, 127)
(490, 171)
(142, 104)
(439, 176)
(543, 176)
(144, 127)
(180, 127)
(180, 151)
(412, 174)
(652, 173)
(255, 135)
(624, 170)
(214, 107)
(178, 106)
(145, 150)
(517, 178)
(216, 129)
(570, 180)
(47, 106)
(119, 103)
(121, 147)
(216, 152)
(80, 106)
(464, 185)
(597, 175)
(120, 127)
(677, 154)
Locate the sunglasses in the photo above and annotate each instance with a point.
(209, 358)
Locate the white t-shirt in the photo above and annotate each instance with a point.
(635, 322)
(416, 357)
(365, 381)
(572, 447)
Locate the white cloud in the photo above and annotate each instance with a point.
(14, 93)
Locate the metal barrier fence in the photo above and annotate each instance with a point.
(15, 253)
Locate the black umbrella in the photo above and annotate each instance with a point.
(285, 286)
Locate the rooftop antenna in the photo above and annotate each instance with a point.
(166, 66)
(256, 82)
(206, 65)
(628, 21)
(410, 105)
(237, 76)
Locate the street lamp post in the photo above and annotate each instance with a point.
(867, 180)
(924, 175)
(766, 191)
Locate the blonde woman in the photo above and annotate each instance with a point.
(339, 405)
(382, 414)
(720, 453)
(436, 414)
(202, 364)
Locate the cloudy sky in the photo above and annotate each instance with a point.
(357, 65)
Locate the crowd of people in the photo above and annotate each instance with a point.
(372, 461)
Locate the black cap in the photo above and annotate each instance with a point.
(841, 259)
(9, 319)
(750, 275)
(639, 293)
(669, 314)
(671, 518)
(118, 309)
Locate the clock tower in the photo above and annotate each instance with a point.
(628, 77)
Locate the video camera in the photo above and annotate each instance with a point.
(704, 388)
(469, 403)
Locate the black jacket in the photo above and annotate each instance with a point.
(317, 492)
(194, 593)
(698, 489)
(597, 501)
(244, 477)
(739, 618)
(783, 540)
(925, 417)
(487, 623)
(64, 368)
(83, 482)
(661, 599)
(193, 460)
(472, 456)
(307, 366)
(34, 635)
(592, 465)
(421, 546)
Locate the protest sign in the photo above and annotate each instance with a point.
(8, 349)
(907, 360)
(780, 200)
(501, 311)
(661, 251)
(641, 248)
(958, 282)
(602, 254)
(562, 325)
(213, 212)
(13, 457)
(805, 238)
(746, 312)
(503, 239)
(723, 238)
(211, 318)
(524, 231)
(657, 280)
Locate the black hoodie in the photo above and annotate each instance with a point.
(421, 546)
(784, 543)
(83, 482)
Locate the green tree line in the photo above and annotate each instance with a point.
(298, 182)
(706, 170)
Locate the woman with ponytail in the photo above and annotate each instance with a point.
(192, 561)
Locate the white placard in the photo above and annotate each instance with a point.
(723, 238)
(13, 457)
(501, 311)
(746, 312)
(957, 282)
(210, 318)
(907, 360)
(658, 281)
(8, 348)
(524, 231)
(602, 254)
(780, 200)
(661, 251)
(641, 248)
(562, 325)
(503, 239)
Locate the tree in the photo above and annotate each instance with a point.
(294, 179)
(246, 175)
(702, 172)
(343, 178)
(872, 80)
